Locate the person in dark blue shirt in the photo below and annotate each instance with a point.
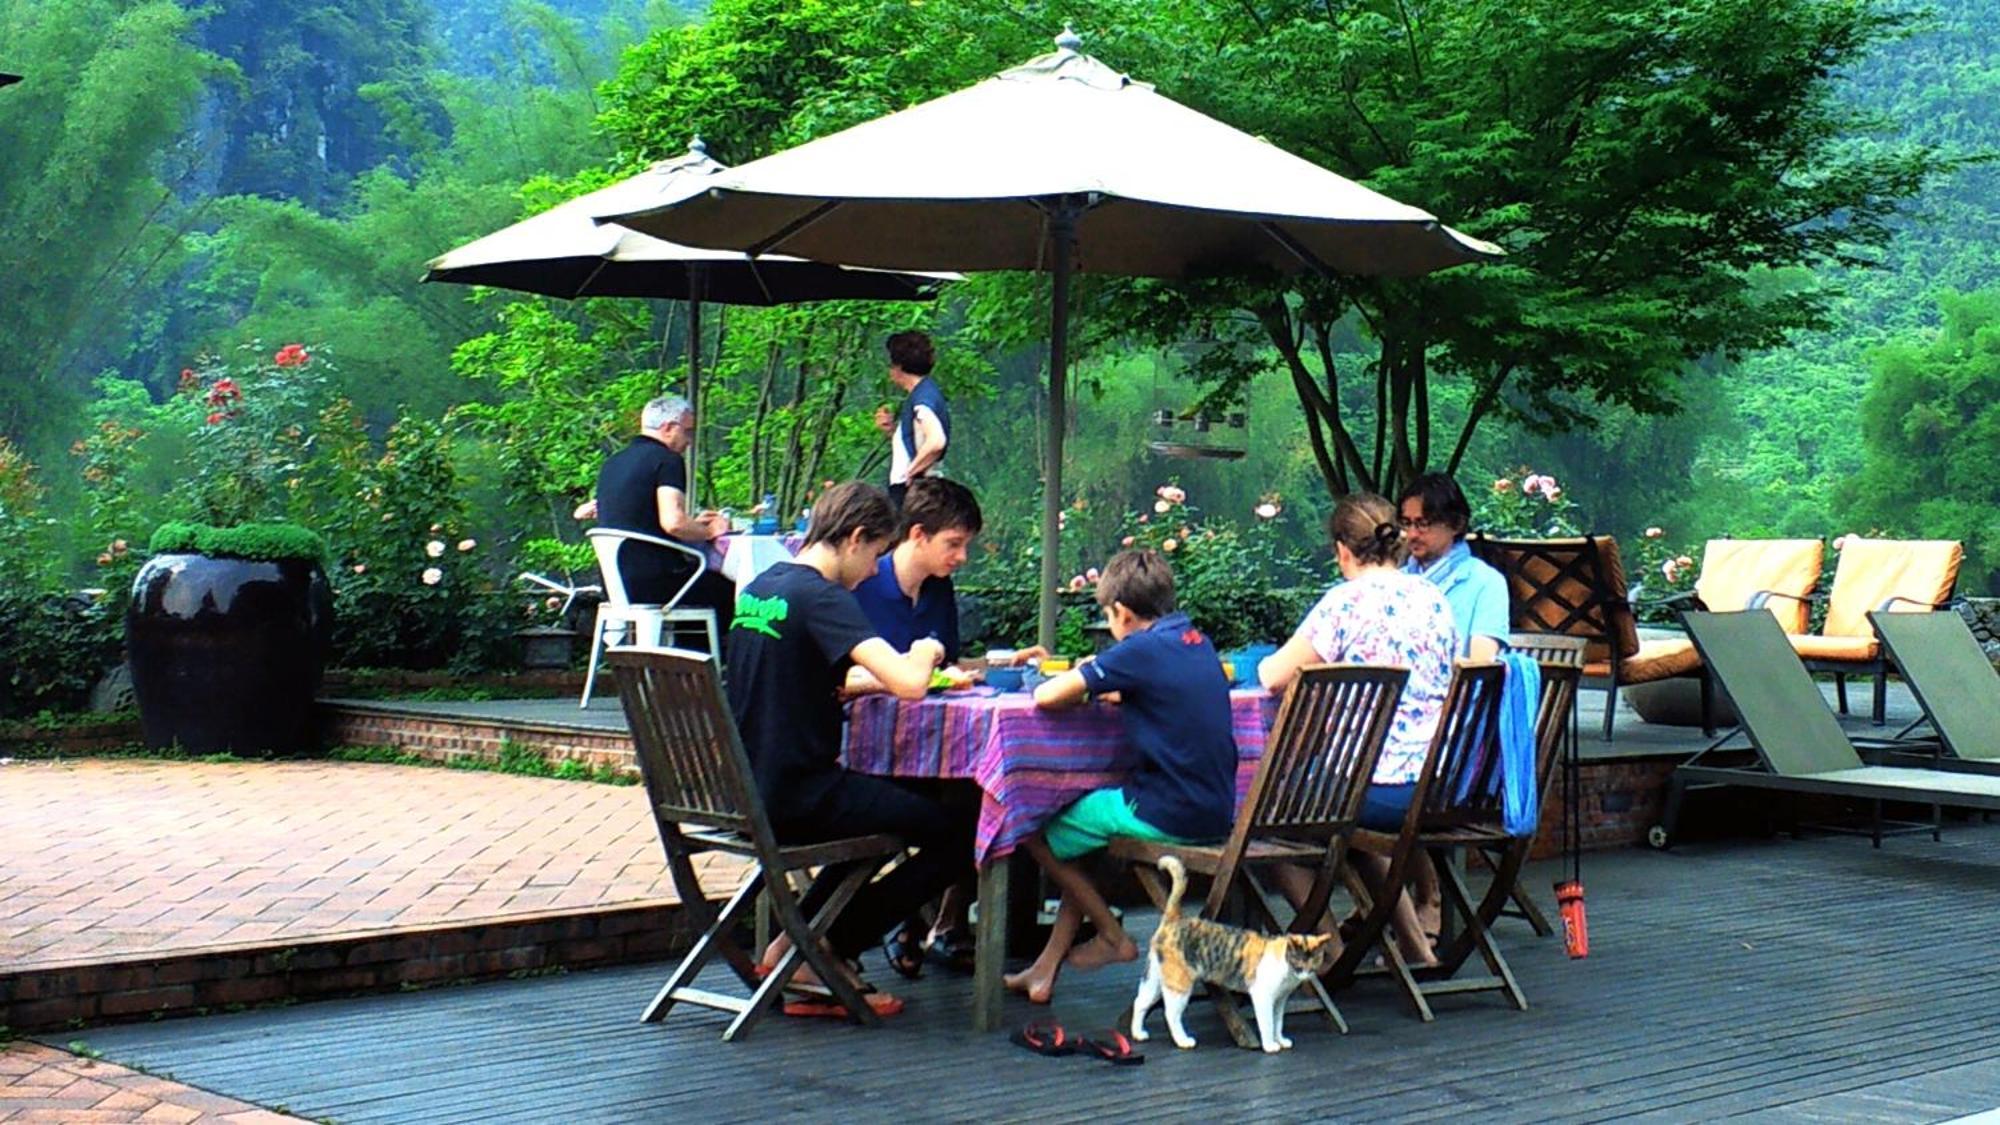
(910, 594)
(920, 429)
(1174, 701)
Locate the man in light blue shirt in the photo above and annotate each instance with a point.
(1435, 517)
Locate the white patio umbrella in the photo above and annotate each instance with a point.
(564, 252)
(1059, 164)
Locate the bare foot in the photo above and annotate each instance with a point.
(1039, 988)
(1101, 951)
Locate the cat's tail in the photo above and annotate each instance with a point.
(1178, 873)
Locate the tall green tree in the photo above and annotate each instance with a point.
(1930, 423)
(88, 187)
(1642, 162)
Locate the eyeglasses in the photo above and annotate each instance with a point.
(1419, 524)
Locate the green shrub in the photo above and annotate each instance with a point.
(265, 541)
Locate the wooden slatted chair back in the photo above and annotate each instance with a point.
(1550, 648)
(1571, 586)
(1458, 782)
(692, 760)
(1321, 753)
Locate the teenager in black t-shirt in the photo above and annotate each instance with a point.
(644, 488)
(797, 631)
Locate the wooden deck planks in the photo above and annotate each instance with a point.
(1810, 980)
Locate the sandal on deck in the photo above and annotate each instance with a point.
(1045, 1038)
(955, 950)
(904, 950)
(881, 1003)
(1114, 1048)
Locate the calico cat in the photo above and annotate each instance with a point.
(1188, 951)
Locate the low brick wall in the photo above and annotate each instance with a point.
(444, 739)
(202, 980)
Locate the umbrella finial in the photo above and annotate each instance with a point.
(1069, 41)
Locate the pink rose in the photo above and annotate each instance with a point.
(1503, 485)
(1076, 582)
(1531, 485)
(1090, 575)
(1127, 541)
(1654, 533)
(1670, 570)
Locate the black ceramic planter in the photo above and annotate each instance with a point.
(227, 653)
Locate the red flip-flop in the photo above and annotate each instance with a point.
(1113, 1048)
(1044, 1038)
(882, 1004)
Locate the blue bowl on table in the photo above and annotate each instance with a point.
(1006, 679)
(1245, 661)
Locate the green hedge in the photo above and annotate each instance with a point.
(260, 541)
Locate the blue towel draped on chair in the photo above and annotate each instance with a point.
(1520, 797)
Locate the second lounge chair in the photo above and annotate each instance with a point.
(1798, 744)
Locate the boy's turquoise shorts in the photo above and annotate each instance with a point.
(1093, 820)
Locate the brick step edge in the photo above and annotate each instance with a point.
(201, 982)
(445, 739)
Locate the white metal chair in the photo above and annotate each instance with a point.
(616, 611)
(569, 593)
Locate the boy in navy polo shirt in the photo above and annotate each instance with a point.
(910, 595)
(1174, 701)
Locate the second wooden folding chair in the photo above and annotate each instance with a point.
(1462, 759)
(1301, 808)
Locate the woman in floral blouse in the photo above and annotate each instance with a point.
(1379, 615)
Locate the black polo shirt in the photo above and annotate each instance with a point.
(628, 499)
(787, 656)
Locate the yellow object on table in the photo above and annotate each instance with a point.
(1053, 665)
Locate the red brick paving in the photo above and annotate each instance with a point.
(109, 860)
(40, 1083)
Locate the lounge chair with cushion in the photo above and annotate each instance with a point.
(1775, 574)
(1576, 587)
(1888, 575)
(1796, 744)
(1954, 682)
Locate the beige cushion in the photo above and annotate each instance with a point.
(1655, 660)
(1733, 571)
(1916, 573)
(1859, 650)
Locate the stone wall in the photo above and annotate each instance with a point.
(1983, 614)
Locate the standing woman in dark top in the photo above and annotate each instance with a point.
(643, 488)
(921, 429)
(798, 629)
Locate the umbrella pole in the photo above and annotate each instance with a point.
(695, 278)
(1062, 232)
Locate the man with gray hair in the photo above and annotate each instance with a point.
(644, 488)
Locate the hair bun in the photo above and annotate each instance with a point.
(1387, 533)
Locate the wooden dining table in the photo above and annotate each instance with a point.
(1029, 764)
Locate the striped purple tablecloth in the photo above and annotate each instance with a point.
(1029, 763)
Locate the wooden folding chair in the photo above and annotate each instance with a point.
(699, 784)
(1462, 761)
(1482, 829)
(1301, 808)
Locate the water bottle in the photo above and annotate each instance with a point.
(767, 517)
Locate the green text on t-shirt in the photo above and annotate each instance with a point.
(761, 614)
